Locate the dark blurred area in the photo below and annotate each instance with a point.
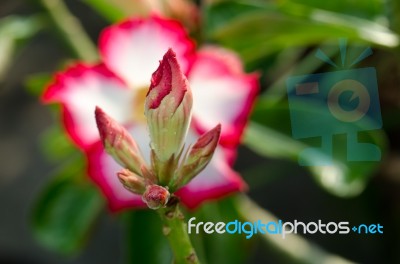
(24, 171)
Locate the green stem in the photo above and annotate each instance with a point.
(70, 30)
(174, 228)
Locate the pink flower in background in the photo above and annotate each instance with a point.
(131, 51)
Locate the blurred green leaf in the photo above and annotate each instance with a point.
(256, 30)
(216, 248)
(270, 135)
(67, 209)
(107, 9)
(36, 83)
(307, 64)
(273, 143)
(146, 242)
(292, 249)
(393, 14)
(55, 143)
(18, 27)
(366, 8)
(13, 31)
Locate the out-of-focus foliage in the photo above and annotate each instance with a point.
(369, 9)
(14, 31)
(265, 31)
(270, 27)
(67, 209)
(154, 247)
(109, 9)
(270, 135)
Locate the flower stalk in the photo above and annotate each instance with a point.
(174, 228)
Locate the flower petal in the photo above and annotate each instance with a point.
(215, 181)
(133, 48)
(222, 93)
(79, 89)
(103, 170)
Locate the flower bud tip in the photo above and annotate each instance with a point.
(131, 181)
(167, 79)
(103, 122)
(208, 140)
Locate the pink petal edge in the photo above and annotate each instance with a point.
(193, 195)
(63, 84)
(226, 64)
(117, 46)
(96, 157)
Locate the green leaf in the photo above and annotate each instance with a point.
(13, 31)
(365, 9)
(36, 83)
(55, 143)
(256, 30)
(145, 240)
(67, 210)
(393, 14)
(108, 10)
(270, 135)
(18, 27)
(295, 66)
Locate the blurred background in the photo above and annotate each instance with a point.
(27, 50)
(39, 199)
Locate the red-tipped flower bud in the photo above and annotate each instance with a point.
(168, 110)
(155, 196)
(168, 107)
(118, 143)
(198, 156)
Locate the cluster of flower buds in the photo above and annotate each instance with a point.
(168, 109)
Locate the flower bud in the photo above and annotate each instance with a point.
(118, 143)
(131, 181)
(155, 196)
(168, 110)
(198, 156)
(168, 107)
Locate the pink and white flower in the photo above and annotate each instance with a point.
(130, 51)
